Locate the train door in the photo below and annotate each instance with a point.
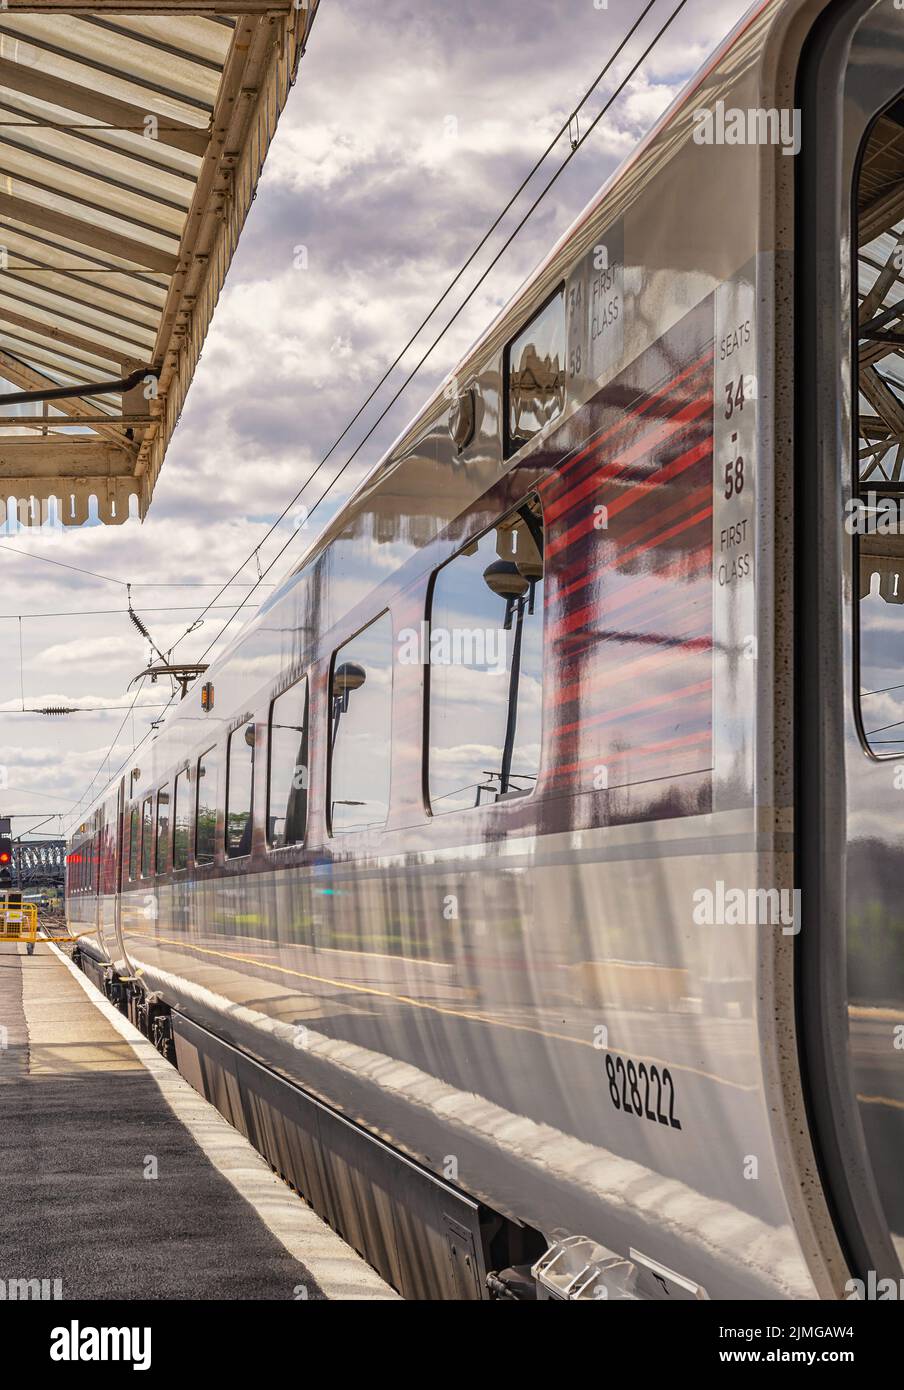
(849, 612)
(123, 850)
(98, 859)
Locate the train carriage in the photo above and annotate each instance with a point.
(523, 880)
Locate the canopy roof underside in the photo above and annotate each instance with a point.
(132, 136)
(881, 304)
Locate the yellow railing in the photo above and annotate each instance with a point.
(18, 922)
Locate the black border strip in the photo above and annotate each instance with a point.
(821, 217)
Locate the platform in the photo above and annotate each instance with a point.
(90, 1113)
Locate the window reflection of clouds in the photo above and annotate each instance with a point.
(208, 794)
(163, 830)
(881, 668)
(288, 767)
(238, 793)
(536, 367)
(469, 703)
(146, 837)
(135, 844)
(361, 730)
(181, 819)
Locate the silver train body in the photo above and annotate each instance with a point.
(558, 1036)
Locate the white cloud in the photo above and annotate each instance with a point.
(115, 650)
(388, 196)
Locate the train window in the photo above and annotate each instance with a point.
(535, 374)
(287, 792)
(239, 787)
(485, 667)
(163, 830)
(135, 843)
(877, 513)
(208, 793)
(181, 820)
(361, 728)
(147, 835)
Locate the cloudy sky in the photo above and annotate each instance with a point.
(411, 124)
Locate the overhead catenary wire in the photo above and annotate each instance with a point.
(81, 613)
(51, 815)
(497, 257)
(74, 808)
(105, 761)
(139, 625)
(42, 796)
(125, 583)
(107, 612)
(83, 709)
(45, 559)
(575, 146)
(563, 130)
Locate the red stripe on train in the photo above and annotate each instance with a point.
(630, 599)
(639, 490)
(630, 669)
(644, 444)
(687, 503)
(630, 415)
(580, 616)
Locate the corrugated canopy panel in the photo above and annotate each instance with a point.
(132, 136)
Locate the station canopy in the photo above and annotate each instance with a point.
(132, 137)
(880, 366)
(880, 200)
